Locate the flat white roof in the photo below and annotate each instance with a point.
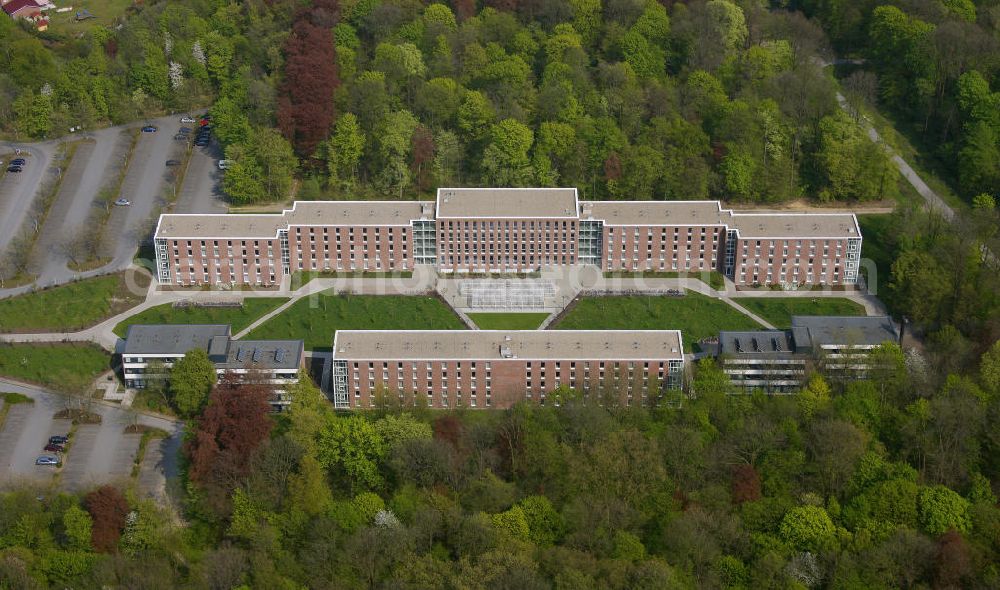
(507, 203)
(266, 225)
(432, 345)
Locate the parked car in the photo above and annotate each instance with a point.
(201, 142)
(54, 448)
(149, 129)
(173, 162)
(47, 460)
(181, 137)
(58, 439)
(18, 162)
(123, 202)
(187, 120)
(14, 168)
(184, 130)
(225, 164)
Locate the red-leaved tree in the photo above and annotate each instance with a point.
(422, 155)
(952, 561)
(305, 105)
(234, 424)
(464, 9)
(745, 484)
(108, 509)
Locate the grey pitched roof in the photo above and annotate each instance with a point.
(263, 354)
(171, 338)
(843, 330)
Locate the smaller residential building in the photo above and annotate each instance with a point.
(762, 359)
(22, 9)
(778, 361)
(276, 362)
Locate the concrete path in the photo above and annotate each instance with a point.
(933, 200)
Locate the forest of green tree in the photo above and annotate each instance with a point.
(630, 99)
(885, 482)
(877, 483)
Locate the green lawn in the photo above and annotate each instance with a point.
(779, 310)
(316, 318)
(300, 278)
(696, 316)
(713, 279)
(61, 366)
(238, 317)
(105, 12)
(73, 306)
(508, 321)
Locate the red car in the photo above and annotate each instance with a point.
(54, 448)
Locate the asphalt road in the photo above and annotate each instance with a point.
(201, 191)
(98, 454)
(19, 190)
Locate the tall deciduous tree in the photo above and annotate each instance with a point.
(505, 160)
(234, 424)
(262, 168)
(305, 106)
(191, 380)
(108, 508)
(344, 150)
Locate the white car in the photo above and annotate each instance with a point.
(225, 164)
(187, 120)
(123, 202)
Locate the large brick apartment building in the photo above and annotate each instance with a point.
(508, 230)
(498, 368)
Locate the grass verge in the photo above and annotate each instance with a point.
(302, 277)
(315, 319)
(508, 321)
(74, 306)
(238, 317)
(10, 398)
(61, 366)
(779, 310)
(148, 433)
(713, 279)
(696, 316)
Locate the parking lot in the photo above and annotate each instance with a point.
(96, 454)
(18, 190)
(25, 433)
(101, 453)
(144, 185)
(201, 191)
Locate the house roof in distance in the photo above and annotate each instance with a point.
(820, 331)
(507, 203)
(174, 339)
(507, 344)
(16, 5)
